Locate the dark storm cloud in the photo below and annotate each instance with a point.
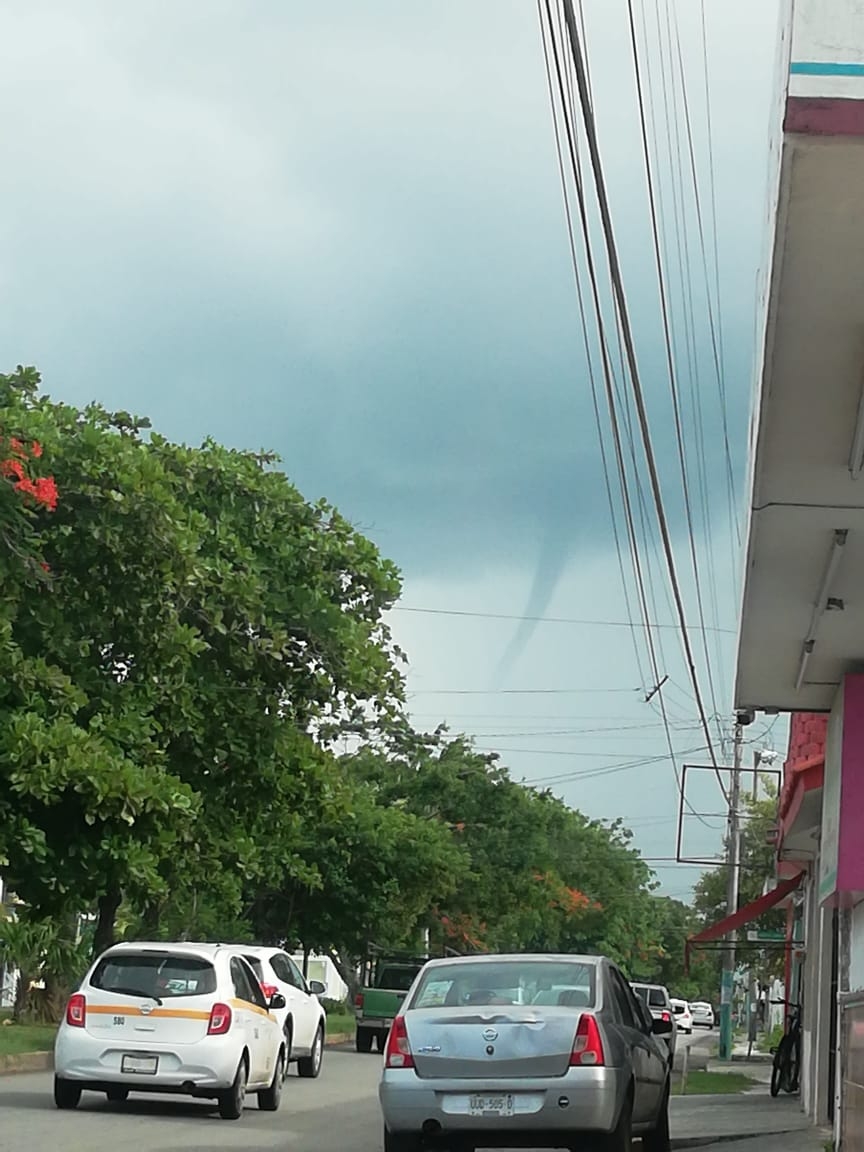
(336, 231)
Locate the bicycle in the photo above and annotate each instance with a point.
(786, 1071)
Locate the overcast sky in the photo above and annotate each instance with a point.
(337, 231)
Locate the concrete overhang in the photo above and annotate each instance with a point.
(802, 617)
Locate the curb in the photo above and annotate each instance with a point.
(26, 1062)
(44, 1061)
(729, 1138)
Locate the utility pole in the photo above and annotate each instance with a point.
(733, 866)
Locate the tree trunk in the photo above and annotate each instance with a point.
(305, 962)
(347, 972)
(103, 937)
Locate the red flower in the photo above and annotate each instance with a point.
(45, 567)
(26, 485)
(16, 447)
(12, 467)
(46, 492)
(35, 449)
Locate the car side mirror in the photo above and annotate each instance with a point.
(662, 1027)
(277, 1001)
(316, 988)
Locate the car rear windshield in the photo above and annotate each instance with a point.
(397, 979)
(154, 975)
(564, 983)
(653, 997)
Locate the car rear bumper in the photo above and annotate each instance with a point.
(207, 1065)
(584, 1100)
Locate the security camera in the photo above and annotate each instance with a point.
(745, 716)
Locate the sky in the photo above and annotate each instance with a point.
(337, 231)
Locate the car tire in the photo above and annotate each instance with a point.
(116, 1094)
(232, 1100)
(658, 1139)
(270, 1098)
(402, 1141)
(309, 1067)
(363, 1039)
(67, 1094)
(620, 1139)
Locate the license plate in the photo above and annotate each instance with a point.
(140, 1065)
(492, 1105)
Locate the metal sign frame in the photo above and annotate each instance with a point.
(710, 862)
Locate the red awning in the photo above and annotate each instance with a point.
(745, 915)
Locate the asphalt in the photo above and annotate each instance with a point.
(336, 1113)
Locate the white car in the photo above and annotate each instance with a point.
(683, 1016)
(702, 1013)
(179, 1018)
(303, 1020)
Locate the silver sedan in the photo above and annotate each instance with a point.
(524, 1051)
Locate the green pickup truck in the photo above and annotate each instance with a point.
(386, 983)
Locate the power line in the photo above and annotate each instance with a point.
(548, 619)
(635, 379)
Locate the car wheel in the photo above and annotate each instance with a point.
(620, 1139)
(401, 1142)
(67, 1094)
(309, 1067)
(116, 1094)
(270, 1098)
(657, 1140)
(363, 1039)
(231, 1101)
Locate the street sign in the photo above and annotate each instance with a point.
(765, 936)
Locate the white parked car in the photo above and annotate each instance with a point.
(303, 1020)
(179, 1018)
(702, 1013)
(683, 1015)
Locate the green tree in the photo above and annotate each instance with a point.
(205, 628)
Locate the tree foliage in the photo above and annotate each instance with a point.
(187, 648)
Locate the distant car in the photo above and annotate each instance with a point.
(524, 1051)
(683, 1016)
(702, 1013)
(303, 1020)
(657, 1000)
(182, 1018)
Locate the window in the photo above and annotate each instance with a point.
(622, 995)
(246, 987)
(154, 975)
(656, 998)
(286, 972)
(563, 983)
(254, 963)
(298, 981)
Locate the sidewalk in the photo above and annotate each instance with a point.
(749, 1122)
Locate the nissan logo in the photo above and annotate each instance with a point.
(490, 1034)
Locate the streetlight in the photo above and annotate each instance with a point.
(761, 756)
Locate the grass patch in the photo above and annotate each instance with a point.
(715, 1084)
(338, 1022)
(16, 1039)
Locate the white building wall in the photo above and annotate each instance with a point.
(856, 949)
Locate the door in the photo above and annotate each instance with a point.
(304, 1008)
(252, 1015)
(645, 1061)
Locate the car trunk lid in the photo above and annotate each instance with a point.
(468, 1043)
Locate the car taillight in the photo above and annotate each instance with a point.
(587, 1047)
(76, 1011)
(665, 1017)
(398, 1051)
(358, 1001)
(220, 1020)
(269, 991)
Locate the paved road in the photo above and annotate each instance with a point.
(337, 1113)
